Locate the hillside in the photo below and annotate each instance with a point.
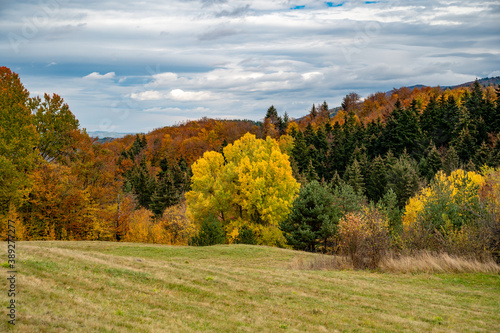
(112, 287)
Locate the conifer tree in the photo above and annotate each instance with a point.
(451, 161)
(483, 155)
(465, 145)
(313, 112)
(299, 152)
(402, 178)
(312, 220)
(354, 177)
(376, 181)
(143, 184)
(432, 163)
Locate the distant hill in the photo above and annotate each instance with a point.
(104, 134)
(485, 82)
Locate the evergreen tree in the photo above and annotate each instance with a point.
(309, 135)
(403, 131)
(495, 118)
(211, 233)
(388, 204)
(376, 181)
(402, 178)
(165, 195)
(431, 164)
(272, 115)
(335, 180)
(313, 112)
(143, 184)
(475, 102)
(310, 172)
(430, 119)
(313, 218)
(465, 145)
(495, 154)
(483, 155)
(451, 161)
(299, 152)
(450, 116)
(354, 177)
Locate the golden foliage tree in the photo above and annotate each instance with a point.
(250, 184)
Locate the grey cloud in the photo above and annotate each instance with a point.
(217, 34)
(240, 11)
(209, 3)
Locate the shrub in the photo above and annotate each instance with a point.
(456, 214)
(364, 237)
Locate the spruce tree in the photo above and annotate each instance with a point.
(451, 161)
(143, 184)
(376, 181)
(465, 145)
(433, 163)
(300, 152)
(313, 218)
(402, 178)
(211, 233)
(483, 155)
(354, 177)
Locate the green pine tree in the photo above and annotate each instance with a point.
(313, 218)
(376, 181)
(354, 177)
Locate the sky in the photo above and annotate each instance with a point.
(133, 66)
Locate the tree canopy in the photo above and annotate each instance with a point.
(250, 184)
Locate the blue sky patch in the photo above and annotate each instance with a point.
(298, 7)
(332, 4)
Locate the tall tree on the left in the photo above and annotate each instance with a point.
(55, 124)
(18, 137)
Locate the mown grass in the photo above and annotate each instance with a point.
(118, 287)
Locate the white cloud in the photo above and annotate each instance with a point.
(149, 95)
(97, 76)
(176, 110)
(181, 95)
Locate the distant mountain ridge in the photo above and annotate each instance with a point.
(485, 82)
(104, 134)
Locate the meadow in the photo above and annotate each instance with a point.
(117, 287)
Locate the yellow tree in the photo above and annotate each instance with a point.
(249, 185)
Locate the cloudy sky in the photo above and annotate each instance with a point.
(132, 66)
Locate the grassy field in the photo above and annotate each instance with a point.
(119, 287)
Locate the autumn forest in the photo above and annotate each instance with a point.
(408, 170)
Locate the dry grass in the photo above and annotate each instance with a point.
(423, 262)
(426, 262)
(320, 262)
(120, 287)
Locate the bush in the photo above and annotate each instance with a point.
(364, 238)
(211, 233)
(433, 219)
(457, 214)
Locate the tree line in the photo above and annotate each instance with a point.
(306, 183)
